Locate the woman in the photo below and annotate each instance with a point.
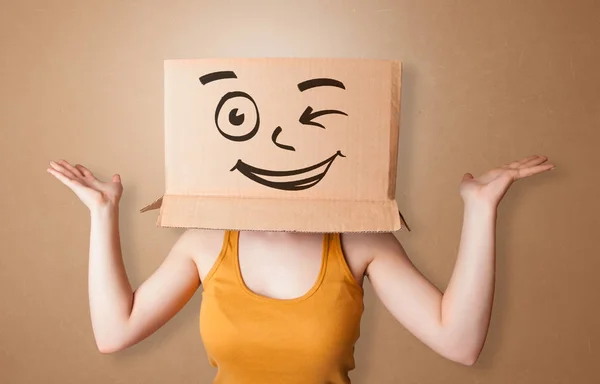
(286, 307)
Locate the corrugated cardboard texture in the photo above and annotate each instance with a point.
(272, 136)
(484, 82)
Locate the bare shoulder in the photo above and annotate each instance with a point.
(202, 245)
(369, 244)
(360, 249)
(194, 241)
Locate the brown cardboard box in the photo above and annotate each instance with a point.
(281, 144)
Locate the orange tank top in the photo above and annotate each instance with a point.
(253, 339)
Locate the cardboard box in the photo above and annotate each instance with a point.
(281, 144)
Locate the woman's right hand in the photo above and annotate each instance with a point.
(91, 191)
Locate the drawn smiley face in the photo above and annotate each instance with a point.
(237, 118)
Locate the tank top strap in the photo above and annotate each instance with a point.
(337, 266)
(224, 265)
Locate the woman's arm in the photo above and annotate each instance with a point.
(467, 303)
(120, 316)
(455, 323)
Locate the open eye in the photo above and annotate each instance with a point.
(308, 115)
(237, 116)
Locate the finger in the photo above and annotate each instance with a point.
(526, 172)
(116, 178)
(71, 183)
(533, 162)
(518, 163)
(71, 168)
(467, 176)
(63, 170)
(84, 171)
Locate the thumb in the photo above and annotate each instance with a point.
(467, 176)
(116, 178)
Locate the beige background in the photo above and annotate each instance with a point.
(484, 82)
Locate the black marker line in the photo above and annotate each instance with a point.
(267, 172)
(254, 174)
(217, 76)
(231, 95)
(288, 185)
(308, 115)
(321, 82)
(276, 133)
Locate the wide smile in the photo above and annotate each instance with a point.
(293, 180)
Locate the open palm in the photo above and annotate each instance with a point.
(493, 185)
(91, 191)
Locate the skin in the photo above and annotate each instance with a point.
(285, 265)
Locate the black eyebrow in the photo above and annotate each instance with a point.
(322, 82)
(217, 76)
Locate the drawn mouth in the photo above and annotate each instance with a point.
(293, 180)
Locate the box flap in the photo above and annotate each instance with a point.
(294, 215)
(156, 204)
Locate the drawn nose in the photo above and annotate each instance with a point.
(276, 133)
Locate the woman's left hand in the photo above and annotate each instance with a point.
(491, 187)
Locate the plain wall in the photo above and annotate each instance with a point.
(484, 83)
